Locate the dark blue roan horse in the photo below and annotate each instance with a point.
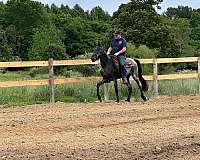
(110, 72)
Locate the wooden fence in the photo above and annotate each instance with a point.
(52, 82)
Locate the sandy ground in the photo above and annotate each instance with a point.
(164, 128)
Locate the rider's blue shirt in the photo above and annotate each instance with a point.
(117, 45)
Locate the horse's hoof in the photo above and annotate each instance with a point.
(144, 98)
(128, 100)
(117, 101)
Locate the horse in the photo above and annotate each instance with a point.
(109, 72)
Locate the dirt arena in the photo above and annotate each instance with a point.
(164, 128)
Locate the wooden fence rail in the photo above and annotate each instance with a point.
(88, 61)
(51, 82)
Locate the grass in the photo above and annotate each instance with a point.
(87, 92)
(21, 75)
(79, 92)
(179, 87)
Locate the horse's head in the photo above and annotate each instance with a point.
(97, 53)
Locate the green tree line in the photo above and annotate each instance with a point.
(30, 30)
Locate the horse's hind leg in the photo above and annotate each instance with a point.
(136, 78)
(140, 87)
(98, 85)
(116, 89)
(129, 89)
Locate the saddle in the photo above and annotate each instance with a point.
(115, 60)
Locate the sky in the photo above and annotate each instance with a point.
(112, 5)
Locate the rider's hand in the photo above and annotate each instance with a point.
(116, 54)
(108, 54)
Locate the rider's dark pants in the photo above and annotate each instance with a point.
(122, 61)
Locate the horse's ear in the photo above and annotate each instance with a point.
(98, 43)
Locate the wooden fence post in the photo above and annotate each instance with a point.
(51, 81)
(106, 92)
(155, 77)
(199, 72)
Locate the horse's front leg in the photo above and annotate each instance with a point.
(98, 85)
(116, 89)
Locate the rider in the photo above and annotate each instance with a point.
(118, 48)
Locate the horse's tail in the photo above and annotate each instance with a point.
(144, 83)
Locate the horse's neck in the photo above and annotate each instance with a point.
(104, 61)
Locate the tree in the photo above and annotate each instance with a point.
(2, 12)
(25, 15)
(140, 52)
(195, 19)
(196, 45)
(99, 27)
(181, 31)
(141, 24)
(13, 39)
(74, 36)
(195, 31)
(77, 11)
(47, 44)
(97, 13)
(79, 35)
(180, 12)
(195, 35)
(6, 53)
(54, 8)
(65, 8)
